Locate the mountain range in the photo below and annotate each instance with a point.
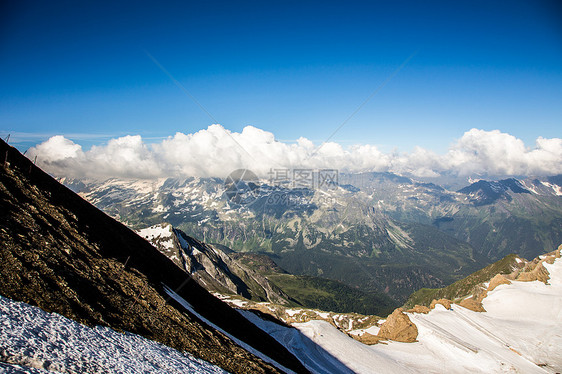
(380, 232)
(81, 292)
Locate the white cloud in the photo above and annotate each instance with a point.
(497, 153)
(216, 151)
(127, 156)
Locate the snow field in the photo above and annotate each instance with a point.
(520, 332)
(44, 342)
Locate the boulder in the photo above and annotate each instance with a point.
(398, 327)
(472, 304)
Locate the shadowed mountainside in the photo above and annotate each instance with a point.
(65, 256)
(256, 277)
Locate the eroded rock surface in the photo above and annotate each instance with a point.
(398, 327)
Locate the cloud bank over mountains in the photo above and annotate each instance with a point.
(216, 151)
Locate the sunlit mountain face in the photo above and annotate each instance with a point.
(377, 231)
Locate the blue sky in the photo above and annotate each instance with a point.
(292, 68)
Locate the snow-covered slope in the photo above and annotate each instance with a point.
(520, 332)
(34, 341)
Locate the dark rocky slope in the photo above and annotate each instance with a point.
(258, 278)
(212, 266)
(63, 255)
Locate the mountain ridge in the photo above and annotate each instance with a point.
(233, 274)
(64, 255)
(291, 225)
(210, 266)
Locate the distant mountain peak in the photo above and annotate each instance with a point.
(485, 192)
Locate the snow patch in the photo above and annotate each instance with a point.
(162, 233)
(556, 188)
(31, 337)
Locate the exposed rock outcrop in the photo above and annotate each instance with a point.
(445, 302)
(419, 309)
(473, 304)
(496, 281)
(535, 269)
(368, 339)
(398, 327)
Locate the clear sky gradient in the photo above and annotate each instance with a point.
(294, 68)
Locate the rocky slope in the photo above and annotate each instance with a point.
(257, 278)
(65, 256)
(211, 266)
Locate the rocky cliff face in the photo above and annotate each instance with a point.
(65, 256)
(211, 266)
